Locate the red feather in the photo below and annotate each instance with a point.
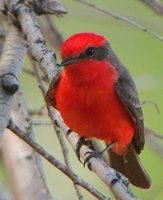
(77, 43)
(87, 101)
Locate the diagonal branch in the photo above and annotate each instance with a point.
(152, 139)
(37, 45)
(153, 133)
(56, 163)
(122, 18)
(117, 183)
(51, 32)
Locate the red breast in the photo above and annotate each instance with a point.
(87, 101)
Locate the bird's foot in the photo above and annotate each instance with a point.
(83, 141)
(92, 154)
(99, 154)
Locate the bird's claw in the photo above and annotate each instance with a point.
(92, 154)
(83, 141)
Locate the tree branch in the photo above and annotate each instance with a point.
(153, 133)
(40, 7)
(37, 44)
(99, 166)
(122, 18)
(11, 63)
(51, 32)
(22, 14)
(25, 16)
(152, 139)
(39, 149)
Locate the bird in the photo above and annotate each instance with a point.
(97, 98)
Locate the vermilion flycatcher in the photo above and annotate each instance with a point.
(97, 97)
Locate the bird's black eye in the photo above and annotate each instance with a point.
(90, 51)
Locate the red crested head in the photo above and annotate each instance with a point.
(77, 43)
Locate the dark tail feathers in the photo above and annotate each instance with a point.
(130, 166)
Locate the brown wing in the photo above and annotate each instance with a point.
(126, 91)
(50, 95)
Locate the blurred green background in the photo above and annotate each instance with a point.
(142, 54)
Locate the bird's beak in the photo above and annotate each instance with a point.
(68, 61)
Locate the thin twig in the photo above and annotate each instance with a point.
(30, 72)
(39, 149)
(152, 139)
(122, 18)
(56, 37)
(152, 103)
(41, 111)
(42, 123)
(153, 133)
